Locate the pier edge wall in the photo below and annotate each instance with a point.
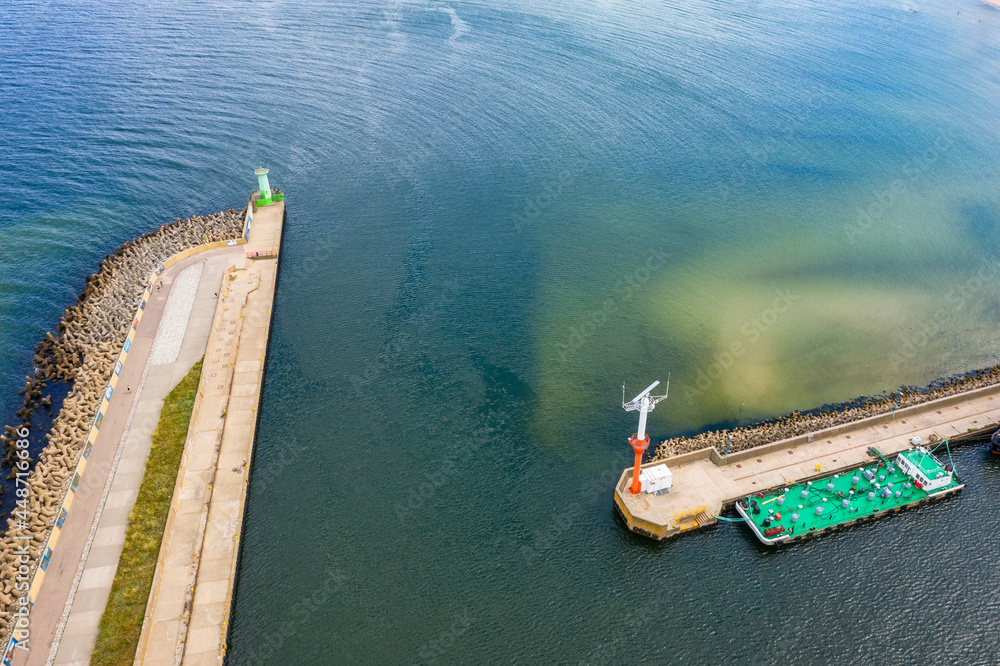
(661, 532)
(39, 563)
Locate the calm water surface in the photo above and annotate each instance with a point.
(497, 212)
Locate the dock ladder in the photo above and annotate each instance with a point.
(875, 451)
(691, 518)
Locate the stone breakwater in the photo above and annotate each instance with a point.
(799, 423)
(89, 338)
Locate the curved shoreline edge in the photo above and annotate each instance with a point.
(797, 424)
(98, 325)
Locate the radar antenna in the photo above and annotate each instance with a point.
(644, 404)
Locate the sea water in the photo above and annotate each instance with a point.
(497, 214)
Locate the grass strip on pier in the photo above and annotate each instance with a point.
(121, 624)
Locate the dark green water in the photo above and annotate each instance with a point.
(497, 212)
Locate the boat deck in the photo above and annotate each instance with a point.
(854, 496)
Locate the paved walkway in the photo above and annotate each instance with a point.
(78, 580)
(188, 612)
(700, 480)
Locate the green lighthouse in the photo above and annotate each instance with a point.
(265, 188)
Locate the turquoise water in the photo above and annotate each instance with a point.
(498, 212)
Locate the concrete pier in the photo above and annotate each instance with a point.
(706, 482)
(188, 611)
(213, 300)
(68, 608)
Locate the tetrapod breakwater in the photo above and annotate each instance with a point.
(82, 354)
(733, 440)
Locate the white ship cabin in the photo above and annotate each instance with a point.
(924, 469)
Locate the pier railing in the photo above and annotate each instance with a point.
(689, 516)
(262, 254)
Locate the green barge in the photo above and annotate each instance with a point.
(916, 477)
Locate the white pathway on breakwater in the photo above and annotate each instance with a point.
(165, 349)
(174, 321)
(70, 605)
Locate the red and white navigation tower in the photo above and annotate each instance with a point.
(642, 403)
